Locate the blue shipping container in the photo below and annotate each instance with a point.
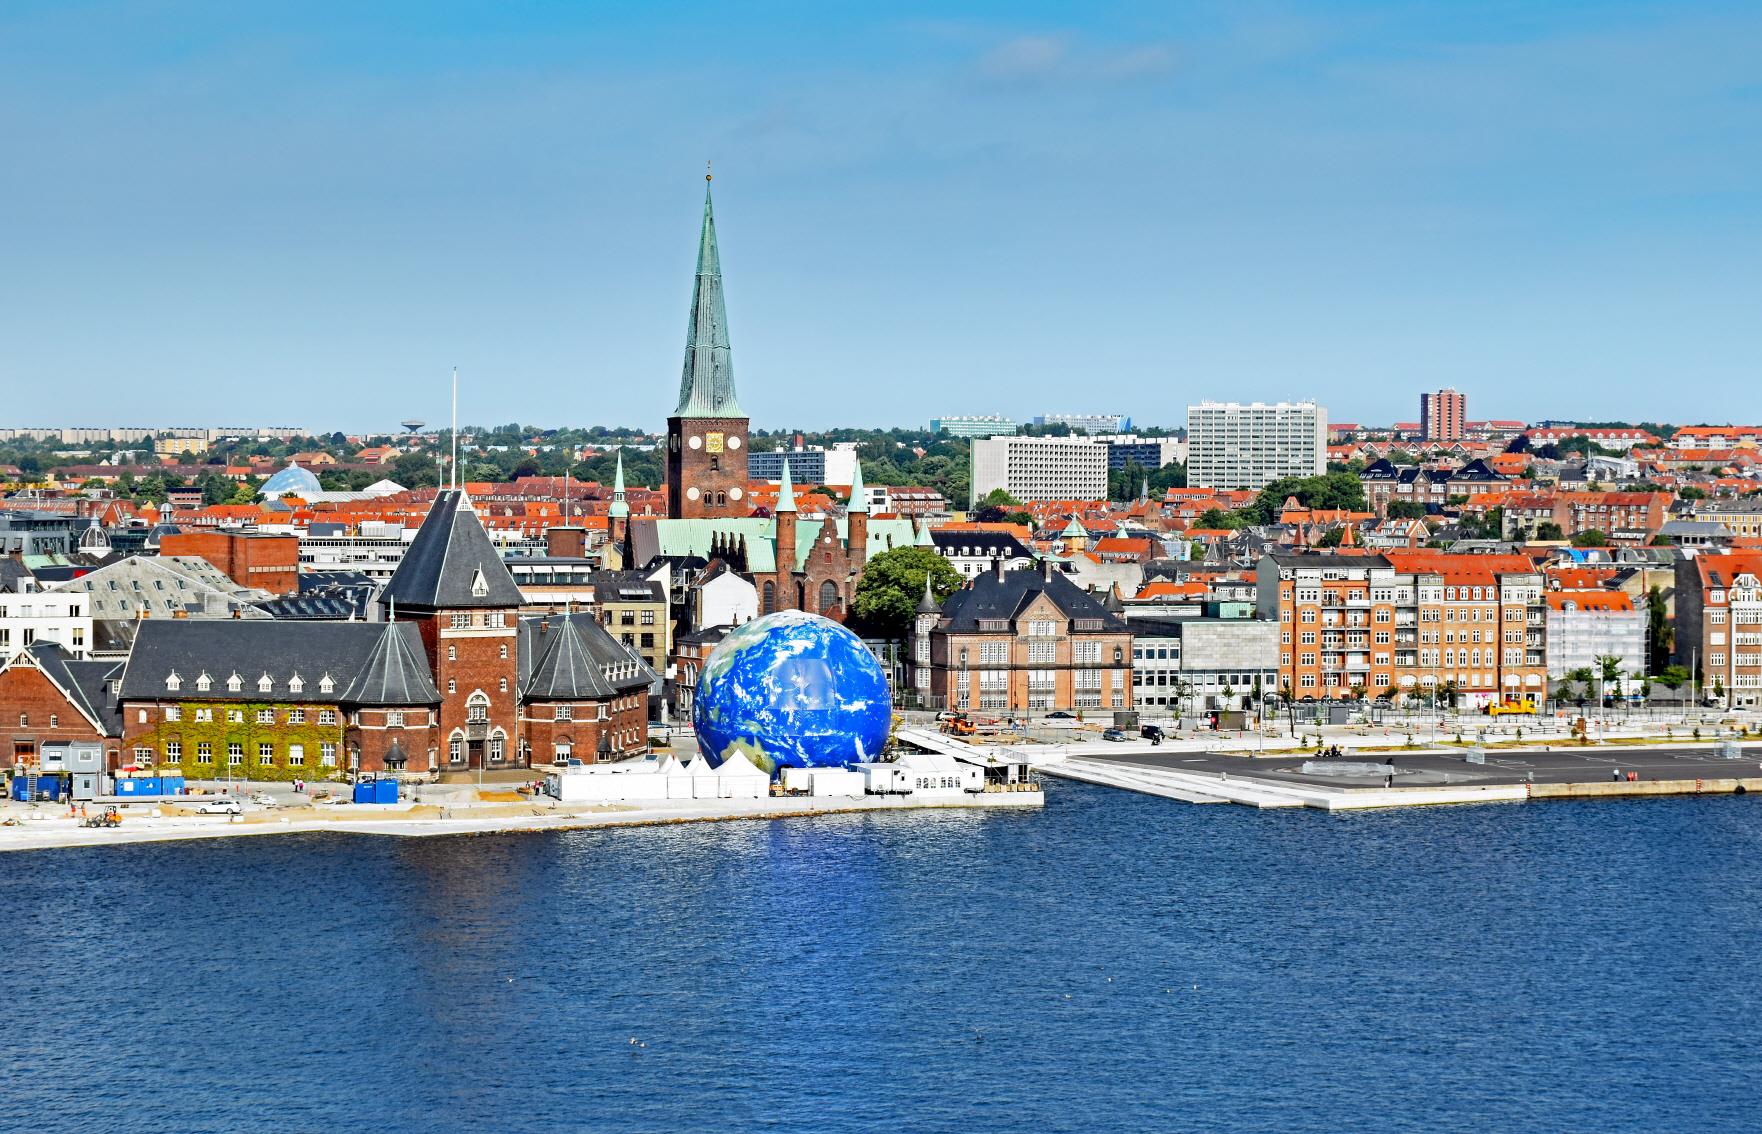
(376, 791)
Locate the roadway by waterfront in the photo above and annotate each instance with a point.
(1440, 767)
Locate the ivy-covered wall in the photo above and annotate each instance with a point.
(248, 732)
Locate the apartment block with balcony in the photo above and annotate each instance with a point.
(1407, 624)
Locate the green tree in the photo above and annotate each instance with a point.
(1674, 676)
(1661, 635)
(1215, 518)
(1330, 490)
(1590, 537)
(1550, 531)
(892, 585)
(1406, 510)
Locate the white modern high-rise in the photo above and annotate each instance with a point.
(1040, 468)
(1250, 445)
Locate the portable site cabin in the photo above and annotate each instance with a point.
(82, 762)
(938, 773)
(884, 778)
(823, 782)
(608, 783)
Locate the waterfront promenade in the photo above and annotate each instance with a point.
(459, 812)
(1407, 778)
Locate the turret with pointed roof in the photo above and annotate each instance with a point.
(706, 434)
(454, 585)
(451, 564)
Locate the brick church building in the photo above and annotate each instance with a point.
(795, 565)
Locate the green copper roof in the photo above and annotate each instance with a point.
(859, 496)
(785, 491)
(707, 387)
(620, 506)
(693, 537)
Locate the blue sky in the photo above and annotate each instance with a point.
(246, 213)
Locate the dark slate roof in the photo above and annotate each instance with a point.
(84, 683)
(356, 656)
(12, 572)
(1382, 469)
(992, 596)
(1477, 471)
(451, 563)
(337, 607)
(1324, 559)
(625, 586)
(396, 672)
(980, 543)
(572, 658)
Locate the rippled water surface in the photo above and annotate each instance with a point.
(1114, 962)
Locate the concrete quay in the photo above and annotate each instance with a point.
(1416, 777)
(50, 828)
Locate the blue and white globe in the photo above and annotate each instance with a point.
(792, 690)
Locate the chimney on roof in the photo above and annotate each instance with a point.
(1045, 569)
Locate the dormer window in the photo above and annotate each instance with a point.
(479, 585)
(325, 684)
(296, 685)
(264, 684)
(173, 682)
(204, 682)
(234, 683)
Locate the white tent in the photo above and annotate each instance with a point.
(703, 779)
(740, 778)
(678, 777)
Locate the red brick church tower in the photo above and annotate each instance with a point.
(706, 434)
(453, 584)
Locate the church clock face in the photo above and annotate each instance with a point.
(713, 442)
(695, 441)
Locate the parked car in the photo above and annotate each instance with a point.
(1113, 734)
(1152, 733)
(1061, 715)
(263, 799)
(220, 807)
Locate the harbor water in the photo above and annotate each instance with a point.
(1113, 962)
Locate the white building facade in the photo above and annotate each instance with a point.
(1250, 445)
(63, 617)
(1040, 468)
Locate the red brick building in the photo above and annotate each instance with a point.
(453, 585)
(48, 696)
(263, 560)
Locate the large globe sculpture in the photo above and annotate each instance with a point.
(792, 690)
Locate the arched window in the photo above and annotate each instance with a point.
(770, 597)
(477, 708)
(828, 595)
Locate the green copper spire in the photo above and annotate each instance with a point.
(924, 539)
(786, 491)
(859, 496)
(620, 507)
(707, 386)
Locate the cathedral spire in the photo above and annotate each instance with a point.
(785, 491)
(619, 506)
(706, 389)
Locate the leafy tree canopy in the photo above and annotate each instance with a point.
(892, 585)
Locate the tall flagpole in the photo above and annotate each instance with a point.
(455, 472)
